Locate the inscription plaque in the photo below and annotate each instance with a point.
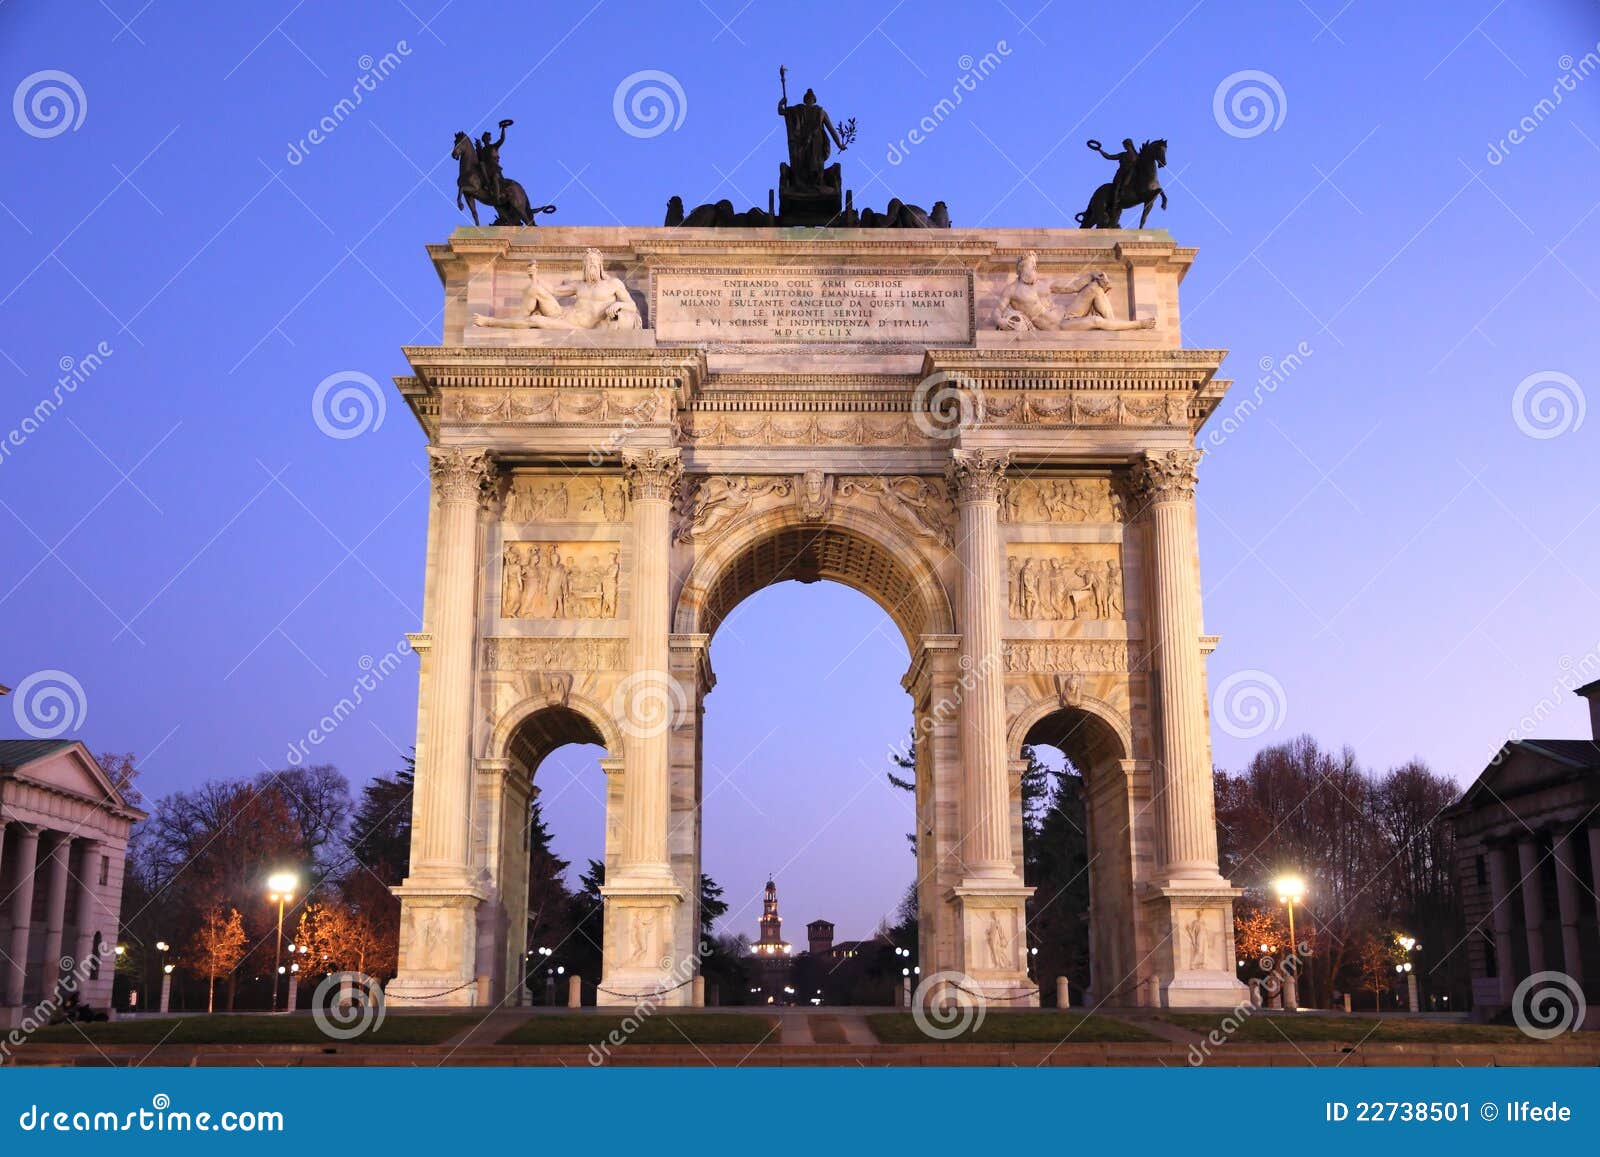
(811, 305)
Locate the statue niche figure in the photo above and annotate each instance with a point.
(601, 302)
(1025, 305)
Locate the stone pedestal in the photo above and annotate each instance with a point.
(1196, 957)
(992, 942)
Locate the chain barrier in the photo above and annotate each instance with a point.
(430, 995)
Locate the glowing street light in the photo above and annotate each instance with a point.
(280, 891)
(1409, 945)
(1291, 890)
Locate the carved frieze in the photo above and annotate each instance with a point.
(1064, 582)
(547, 498)
(565, 406)
(559, 580)
(509, 653)
(918, 506)
(709, 504)
(1067, 656)
(1061, 500)
(782, 429)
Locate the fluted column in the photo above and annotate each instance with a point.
(444, 782)
(1183, 793)
(1500, 901)
(55, 908)
(976, 477)
(1532, 902)
(26, 857)
(1567, 899)
(88, 902)
(644, 701)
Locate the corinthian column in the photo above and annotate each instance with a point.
(976, 476)
(645, 697)
(444, 780)
(1186, 820)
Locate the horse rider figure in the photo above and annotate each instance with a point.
(489, 163)
(1127, 164)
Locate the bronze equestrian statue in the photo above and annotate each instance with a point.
(1135, 184)
(479, 179)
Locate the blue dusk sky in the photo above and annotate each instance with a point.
(1395, 207)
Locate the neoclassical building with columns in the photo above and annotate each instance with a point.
(1527, 849)
(63, 840)
(991, 433)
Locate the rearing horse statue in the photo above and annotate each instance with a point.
(511, 206)
(1141, 189)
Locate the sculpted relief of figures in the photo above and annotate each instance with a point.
(916, 505)
(1064, 586)
(583, 499)
(1062, 500)
(559, 581)
(1066, 657)
(713, 502)
(519, 653)
(1026, 305)
(599, 302)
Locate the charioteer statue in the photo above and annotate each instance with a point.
(1135, 183)
(479, 178)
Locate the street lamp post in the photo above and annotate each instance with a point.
(166, 974)
(1290, 891)
(281, 886)
(1410, 945)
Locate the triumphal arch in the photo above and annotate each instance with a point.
(988, 431)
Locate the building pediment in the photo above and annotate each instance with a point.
(62, 769)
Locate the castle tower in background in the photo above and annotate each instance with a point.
(771, 952)
(819, 937)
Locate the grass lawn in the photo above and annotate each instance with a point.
(659, 1028)
(421, 1029)
(1015, 1028)
(1313, 1029)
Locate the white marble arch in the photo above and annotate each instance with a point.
(919, 559)
(506, 780)
(914, 592)
(1098, 739)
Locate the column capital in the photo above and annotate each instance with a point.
(652, 473)
(460, 473)
(977, 475)
(1165, 476)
